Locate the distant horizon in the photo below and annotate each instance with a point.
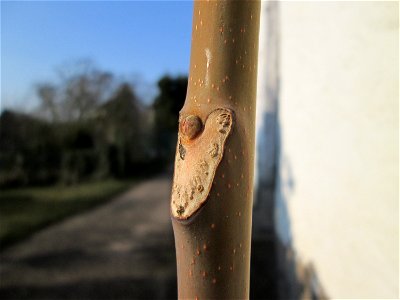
(119, 37)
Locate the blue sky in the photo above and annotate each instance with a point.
(142, 39)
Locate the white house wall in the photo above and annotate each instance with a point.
(337, 194)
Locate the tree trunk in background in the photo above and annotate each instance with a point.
(211, 203)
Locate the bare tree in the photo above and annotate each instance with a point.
(49, 108)
(80, 89)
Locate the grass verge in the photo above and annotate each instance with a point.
(26, 210)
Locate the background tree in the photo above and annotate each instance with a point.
(172, 93)
(49, 107)
(81, 88)
(90, 125)
(119, 127)
(30, 150)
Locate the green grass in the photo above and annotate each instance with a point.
(26, 210)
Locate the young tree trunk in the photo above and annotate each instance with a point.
(211, 203)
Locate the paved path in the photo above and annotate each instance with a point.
(121, 250)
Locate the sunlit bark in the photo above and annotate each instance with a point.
(211, 204)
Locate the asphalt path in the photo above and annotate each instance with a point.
(121, 250)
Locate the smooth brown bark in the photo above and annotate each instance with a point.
(213, 241)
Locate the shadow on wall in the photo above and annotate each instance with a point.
(296, 279)
(265, 181)
(276, 271)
